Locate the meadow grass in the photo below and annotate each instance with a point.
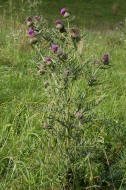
(28, 155)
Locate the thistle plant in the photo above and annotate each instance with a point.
(68, 116)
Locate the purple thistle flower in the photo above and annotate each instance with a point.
(31, 32)
(106, 59)
(54, 48)
(36, 17)
(63, 11)
(60, 26)
(47, 59)
(58, 22)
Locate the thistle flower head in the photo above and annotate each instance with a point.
(58, 21)
(106, 58)
(47, 59)
(31, 32)
(60, 26)
(54, 47)
(36, 17)
(63, 11)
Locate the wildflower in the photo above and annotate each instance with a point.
(60, 26)
(31, 32)
(64, 13)
(58, 51)
(54, 48)
(48, 60)
(106, 59)
(46, 84)
(33, 36)
(75, 34)
(36, 17)
(29, 22)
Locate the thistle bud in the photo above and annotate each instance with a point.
(48, 61)
(36, 17)
(31, 32)
(33, 36)
(60, 26)
(29, 22)
(75, 34)
(106, 59)
(54, 48)
(64, 13)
